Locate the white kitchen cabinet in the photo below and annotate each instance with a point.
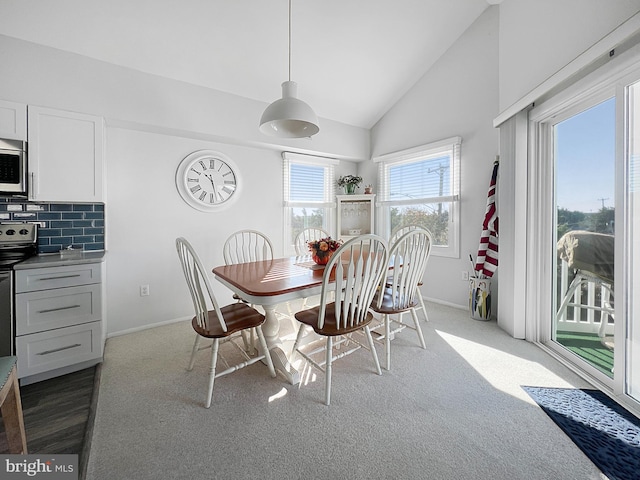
(355, 215)
(66, 156)
(13, 121)
(58, 314)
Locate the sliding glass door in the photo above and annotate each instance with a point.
(584, 158)
(584, 187)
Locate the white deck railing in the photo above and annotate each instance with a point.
(580, 312)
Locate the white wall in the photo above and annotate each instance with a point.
(458, 96)
(151, 125)
(145, 214)
(44, 76)
(538, 38)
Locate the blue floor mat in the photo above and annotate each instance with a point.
(607, 433)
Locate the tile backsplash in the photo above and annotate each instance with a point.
(60, 224)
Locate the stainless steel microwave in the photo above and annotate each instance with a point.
(13, 167)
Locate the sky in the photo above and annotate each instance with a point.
(585, 159)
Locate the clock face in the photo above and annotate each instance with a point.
(207, 180)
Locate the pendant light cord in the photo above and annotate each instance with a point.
(289, 40)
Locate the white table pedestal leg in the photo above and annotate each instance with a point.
(271, 329)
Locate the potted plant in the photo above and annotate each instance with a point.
(349, 183)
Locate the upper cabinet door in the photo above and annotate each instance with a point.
(66, 156)
(13, 120)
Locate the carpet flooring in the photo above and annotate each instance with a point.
(453, 411)
(607, 433)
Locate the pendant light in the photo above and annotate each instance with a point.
(289, 117)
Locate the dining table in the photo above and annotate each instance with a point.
(268, 283)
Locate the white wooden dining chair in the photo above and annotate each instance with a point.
(307, 235)
(247, 246)
(397, 233)
(301, 244)
(397, 294)
(352, 275)
(222, 325)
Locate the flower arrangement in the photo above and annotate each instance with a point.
(349, 183)
(349, 180)
(321, 250)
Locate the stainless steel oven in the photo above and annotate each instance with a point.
(18, 241)
(13, 167)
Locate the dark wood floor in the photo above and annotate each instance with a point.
(58, 415)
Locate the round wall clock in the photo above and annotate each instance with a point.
(207, 180)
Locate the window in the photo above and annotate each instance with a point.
(308, 194)
(420, 186)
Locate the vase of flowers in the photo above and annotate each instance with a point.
(322, 250)
(350, 183)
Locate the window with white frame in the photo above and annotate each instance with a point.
(308, 194)
(421, 186)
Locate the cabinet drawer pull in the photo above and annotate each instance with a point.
(58, 277)
(59, 349)
(58, 309)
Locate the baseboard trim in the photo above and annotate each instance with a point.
(447, 304)
(147, 327)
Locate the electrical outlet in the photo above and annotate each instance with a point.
(465, 275)
(144, 290)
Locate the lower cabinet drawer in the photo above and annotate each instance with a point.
(56, 308)
(44, 351)
(31, 280)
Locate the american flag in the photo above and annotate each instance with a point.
(487, 259)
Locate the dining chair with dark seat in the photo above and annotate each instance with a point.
(301, 245)
(220, 324)
(246, 246)
(301, 242)
(395, 235)
(398, 291)
(353, 274)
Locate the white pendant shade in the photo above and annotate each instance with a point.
(289, 117)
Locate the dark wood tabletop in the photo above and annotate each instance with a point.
(272, 277)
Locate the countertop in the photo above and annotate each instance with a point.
(56, 260)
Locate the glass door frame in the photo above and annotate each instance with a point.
(610, 80)
(543, 123)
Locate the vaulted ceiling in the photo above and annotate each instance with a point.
(352, 59)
